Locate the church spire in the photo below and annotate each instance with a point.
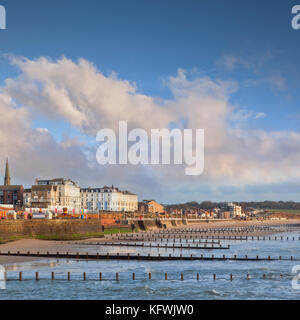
(7, 175)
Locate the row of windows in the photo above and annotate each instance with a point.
(119, 203)
(9, 193)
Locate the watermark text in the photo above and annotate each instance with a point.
(2, 18)
(2, 278)
(186, 148)
(296, 18)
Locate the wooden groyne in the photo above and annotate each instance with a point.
(166, 246)
(224, 230)
(162, 239)
(128, 256)
(181, 237)
(116, 277)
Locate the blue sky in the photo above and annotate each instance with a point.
(145, 42)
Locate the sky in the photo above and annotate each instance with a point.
(230, 67)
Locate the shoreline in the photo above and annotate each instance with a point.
(35, 245)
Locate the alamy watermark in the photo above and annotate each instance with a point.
(296, 278)
(2, 18)
(2, 278)
(296, 18)
(185, 149)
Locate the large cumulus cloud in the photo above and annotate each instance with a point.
(82, 96)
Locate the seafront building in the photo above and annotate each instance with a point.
(143, 207)
(55, 194)
(44, 197)
(108, 199)
(27, 198)
(150, 206)
(235, 210)
(223, 214)
(61, 194)
(10, 194)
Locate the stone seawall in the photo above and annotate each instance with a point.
(158, 224)
(47, 227)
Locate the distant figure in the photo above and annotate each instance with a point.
(103, 228)
(132, 227)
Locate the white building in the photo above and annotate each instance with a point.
(108, 199)
(68, 193)
(27, 198)
(235, 211)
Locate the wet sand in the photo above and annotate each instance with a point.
(4, 260)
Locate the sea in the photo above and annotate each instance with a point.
(255, 280)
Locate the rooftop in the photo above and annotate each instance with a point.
(43, 187)
(11, 188)
(106, 189)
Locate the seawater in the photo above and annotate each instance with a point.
(277, 283)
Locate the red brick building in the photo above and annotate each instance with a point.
(11, 195)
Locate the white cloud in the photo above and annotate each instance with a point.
(230, 62)
(42, 130)
(253, 63)
(243, 115)
(260, 115)
(276, 81)
(79, 94)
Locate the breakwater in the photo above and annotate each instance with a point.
(133, 277)
(159, 257)
(157, 245)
